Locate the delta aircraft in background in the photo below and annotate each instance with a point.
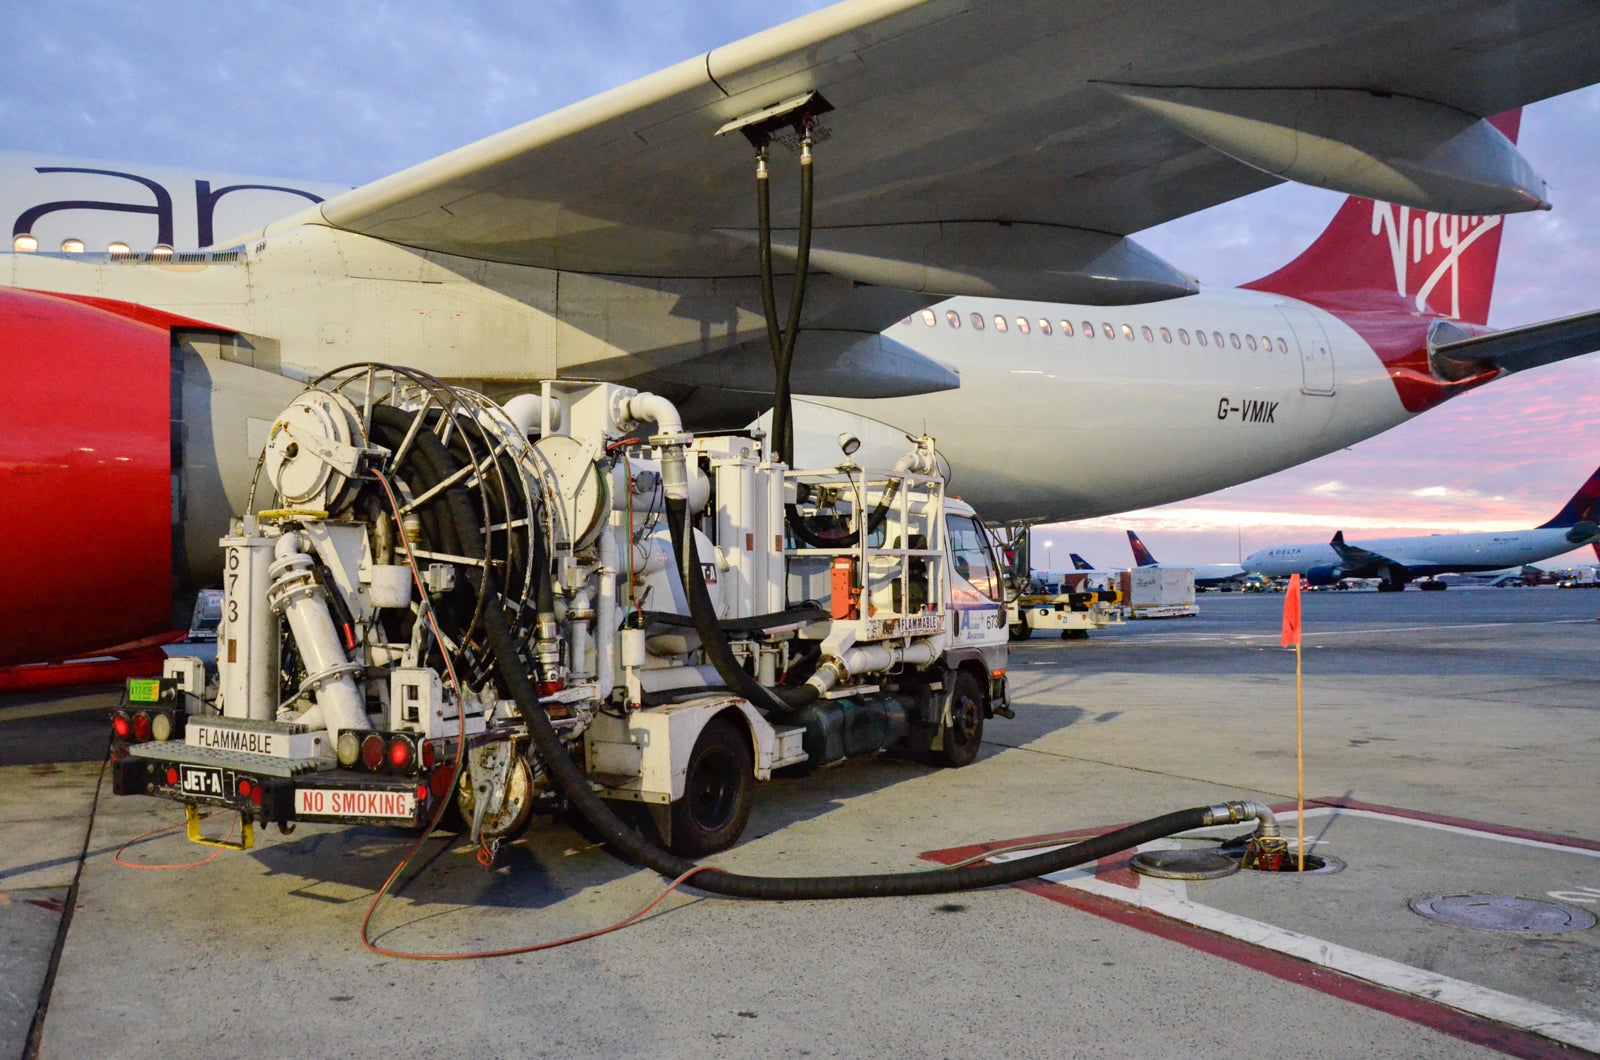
(1397, 560)
(1206, 575)
(155, 321)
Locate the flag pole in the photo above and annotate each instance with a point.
(1291, 636)
(1299, 764)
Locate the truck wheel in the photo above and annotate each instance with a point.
(1021, 631)
(718, 791)
(965, 733)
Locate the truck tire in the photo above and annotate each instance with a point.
(1021, 631)
(718, 790)
(964, 736)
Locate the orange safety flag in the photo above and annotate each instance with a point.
(1291, 613)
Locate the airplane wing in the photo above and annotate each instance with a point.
(1453, 354)
(1003, 146)
(1357, 562)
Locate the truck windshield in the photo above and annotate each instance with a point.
(969, 552)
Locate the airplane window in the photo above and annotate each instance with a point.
(117, 247)
(1044, 326)
(928, 318)
(1283, 347)
(1110, 331)
(977, 321)
(1266, 343)
(1149, 336)
(72, 246)
(1066, 328)
(1166, 335)
(1235, 337)
(1217, 335)
(1250, 341)
(1022, 325)
(1183, 336)
(907, 320)
(1127, 332)
(1088, 330)
(999, 323)
(24, 243)
(952, 318)
(1200, 336)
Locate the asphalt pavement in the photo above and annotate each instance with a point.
(1450, 746)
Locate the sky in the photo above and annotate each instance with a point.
(351, 91)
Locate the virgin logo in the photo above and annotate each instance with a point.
(1430, 246)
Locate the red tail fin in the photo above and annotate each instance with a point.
(1439, 262)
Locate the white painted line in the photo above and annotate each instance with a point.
(1170, 899)
(1468, 997)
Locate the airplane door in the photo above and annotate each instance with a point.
(1316, 354)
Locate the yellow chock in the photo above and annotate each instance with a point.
(247, 831)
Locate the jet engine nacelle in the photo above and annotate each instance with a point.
(1323, 575)
(124, 445)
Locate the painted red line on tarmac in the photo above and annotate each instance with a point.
(1294, 970)
(1433, 1015)
(1457, 822)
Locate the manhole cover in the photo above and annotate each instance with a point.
(1502, 912)
(1184, 864)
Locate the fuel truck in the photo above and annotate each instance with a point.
(435, 602)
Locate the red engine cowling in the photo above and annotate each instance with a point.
(86, 443)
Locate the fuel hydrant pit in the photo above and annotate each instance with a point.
(1321, 864)
(1282, 859)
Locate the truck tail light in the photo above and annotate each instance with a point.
(141, 727)
(121, 725)
(244, 789)
(440, 781)
(422, 793)
(372, 751)
(348, 748)
(402, 753)
(172, 776)
(427, 754)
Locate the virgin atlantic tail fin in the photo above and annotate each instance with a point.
(1438, 262)
(1580, 512)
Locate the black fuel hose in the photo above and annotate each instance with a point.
(558, 763)
(569, 778)
(713, 639)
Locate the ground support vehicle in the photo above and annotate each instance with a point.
(439, 575)
(1072, 613)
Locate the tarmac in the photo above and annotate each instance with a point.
(1450, 744)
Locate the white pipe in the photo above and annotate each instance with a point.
(658, 410)
(339, 704)
(605, 638)
(870, 658)
(525, 411)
